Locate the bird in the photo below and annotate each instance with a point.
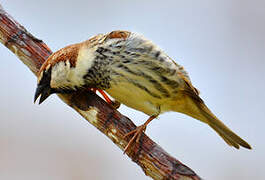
(135, 72)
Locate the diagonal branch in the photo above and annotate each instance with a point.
(154, 161)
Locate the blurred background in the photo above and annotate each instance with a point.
(220, 43)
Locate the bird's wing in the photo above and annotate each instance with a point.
(190, 90)
(136, 49)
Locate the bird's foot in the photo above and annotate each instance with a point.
(115, 104)
(137, 132)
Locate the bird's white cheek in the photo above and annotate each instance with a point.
(59, 75)
(84, 61)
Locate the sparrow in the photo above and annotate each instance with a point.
(135, 72)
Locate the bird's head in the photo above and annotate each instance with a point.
(69, 68)
(63, 71)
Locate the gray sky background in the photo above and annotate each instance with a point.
(220, 43)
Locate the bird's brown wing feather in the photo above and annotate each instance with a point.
(189, 89)
(118, 34)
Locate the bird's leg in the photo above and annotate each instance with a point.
(137, 132)
(115, 104)
(106, 97)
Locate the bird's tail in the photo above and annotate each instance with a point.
(200, 111)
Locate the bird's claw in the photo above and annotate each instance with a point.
(137, 132)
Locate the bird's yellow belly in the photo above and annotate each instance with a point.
(135, 97)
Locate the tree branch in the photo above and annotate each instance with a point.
(154, 161)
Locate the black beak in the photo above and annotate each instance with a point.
(44, 91)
